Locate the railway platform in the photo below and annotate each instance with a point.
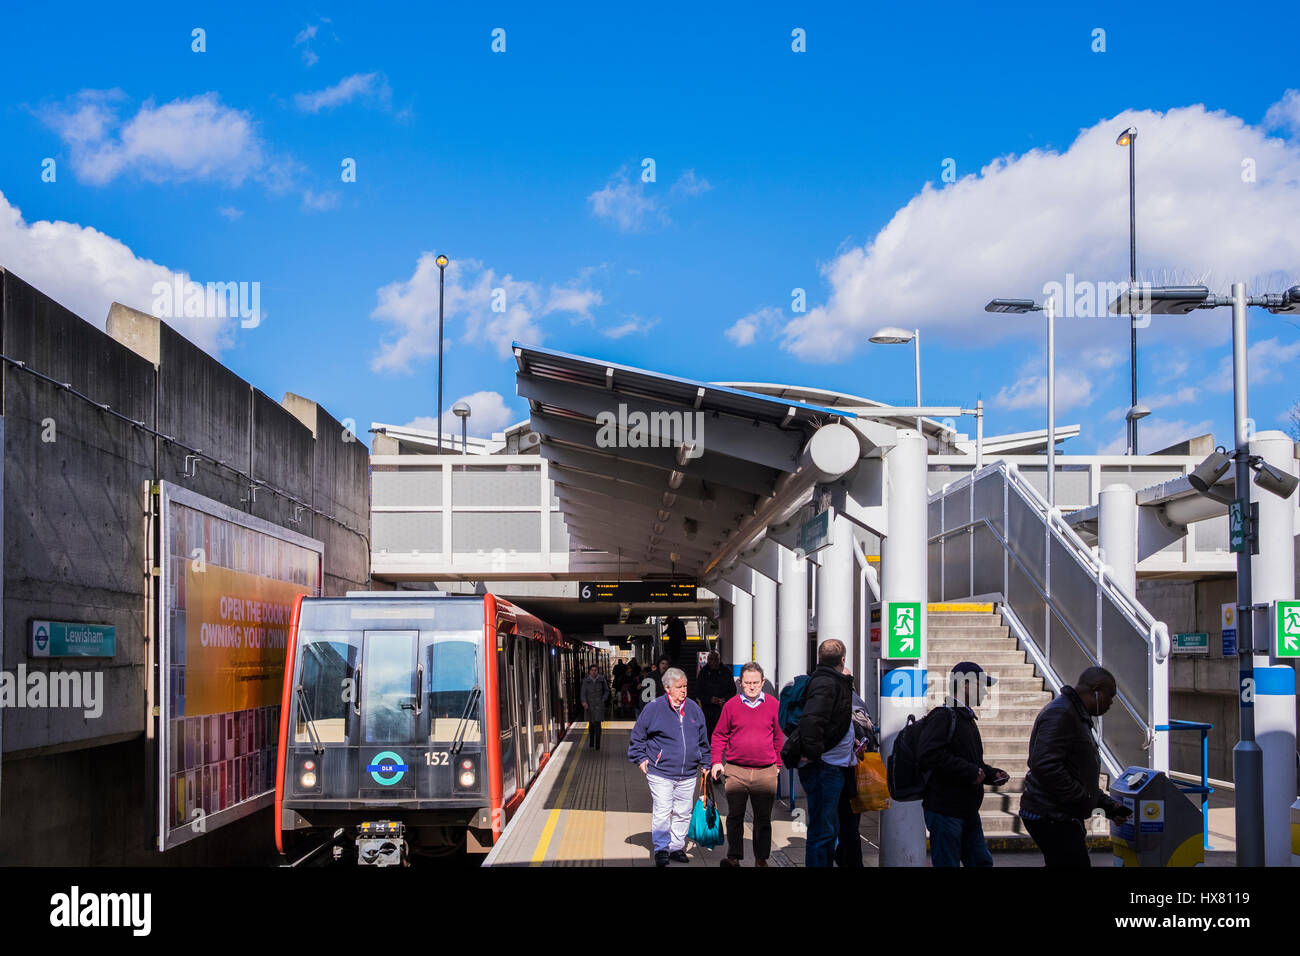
(592, 808)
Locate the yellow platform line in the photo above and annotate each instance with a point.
(969, 608)
(544, 842)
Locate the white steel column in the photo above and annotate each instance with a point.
(1273, 579)
(742, 630)
(792, 620)
(1117, 535)
(764, 623)
(904, 569)
(835, 590)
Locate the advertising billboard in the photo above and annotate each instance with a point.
(227, 584)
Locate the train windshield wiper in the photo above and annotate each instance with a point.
(316, 746)
(458, 741)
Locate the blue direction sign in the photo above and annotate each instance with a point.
(70, 639)
(815, 533)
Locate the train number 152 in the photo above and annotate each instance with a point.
(435, 758)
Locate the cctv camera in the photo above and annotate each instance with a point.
(1208, 472)
(1274, 480)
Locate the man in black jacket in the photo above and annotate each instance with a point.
(825, 740)
(713, 688)
(951, 753)
(1062, 788)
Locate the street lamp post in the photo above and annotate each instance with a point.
(1247, 757)
(1019, 307)
(442, 272)
(894, 336)
(461, 411)
(1128, 139)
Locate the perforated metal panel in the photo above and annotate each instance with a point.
(410, 486)
(1212, 534)
(493, 486)
(406, 531)
(476, 531)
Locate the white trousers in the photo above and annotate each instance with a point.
(672, 801)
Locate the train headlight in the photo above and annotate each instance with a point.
(467, 779)
(308, 780)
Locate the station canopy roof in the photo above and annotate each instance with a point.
(660, 469)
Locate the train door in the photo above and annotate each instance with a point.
(507, 691)
(387, 705)
(548, 699)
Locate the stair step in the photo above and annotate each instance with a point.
(955, 619)
(999, 669)
(988, 658)
(967, 630)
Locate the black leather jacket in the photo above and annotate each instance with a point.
(1064, 764)
(827, 711)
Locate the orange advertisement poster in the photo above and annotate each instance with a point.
(236, 632)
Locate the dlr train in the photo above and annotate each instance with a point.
(415, 722)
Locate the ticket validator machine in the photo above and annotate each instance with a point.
(1164, 826)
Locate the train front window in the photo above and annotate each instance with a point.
(328, 673)
(388, 693)
(451, 677)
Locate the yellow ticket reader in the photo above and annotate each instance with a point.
(1164, 826)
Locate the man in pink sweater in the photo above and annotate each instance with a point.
(747, 742)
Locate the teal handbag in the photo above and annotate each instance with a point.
(706, 821)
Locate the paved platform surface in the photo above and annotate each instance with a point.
(592, 808)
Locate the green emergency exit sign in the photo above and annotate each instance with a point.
(903, 630)
(1286, 629)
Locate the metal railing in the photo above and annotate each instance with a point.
(992, 534)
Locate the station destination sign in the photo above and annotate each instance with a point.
(68, 639)
(636, 592)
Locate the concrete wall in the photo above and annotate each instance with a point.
(75, 549)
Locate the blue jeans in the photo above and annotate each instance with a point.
(822, 783)
(957, 841)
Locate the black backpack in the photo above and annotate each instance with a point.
(904, 775)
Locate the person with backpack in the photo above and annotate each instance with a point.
(746, 744)
(950, 754)
(848, 852)
(822, 748)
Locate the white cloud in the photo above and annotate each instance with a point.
(624, 201)
(230, 212)
(488, 412)
(1155, 434)
(493, 310)
(1264, 362)
(303, 39)
(1073, 388)
(1025, 221)
(688, 184)
(1173, 369)
(1285, 113)
(1102, 357)
(187, 139)
(372, 87)
(1183, 396)
(319, 202)
(745, 330)
(634, 324)
(86, 271)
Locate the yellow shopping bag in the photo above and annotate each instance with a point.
(873, 790)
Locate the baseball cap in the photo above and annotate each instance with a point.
(971, 668)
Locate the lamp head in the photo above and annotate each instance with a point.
(1126, 138)
(441, 261)
(461, 409)
(1012, 305)
(1290, 302)
(890, 335)
(1160, 300)
(1137, 412)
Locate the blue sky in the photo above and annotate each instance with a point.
(775, 170)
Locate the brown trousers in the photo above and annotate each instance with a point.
(756, 785)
